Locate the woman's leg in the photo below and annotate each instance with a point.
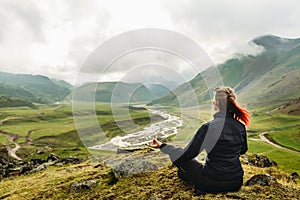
(190, 172)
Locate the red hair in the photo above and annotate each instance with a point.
(225, 98)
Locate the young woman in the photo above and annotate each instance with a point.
(224, 139)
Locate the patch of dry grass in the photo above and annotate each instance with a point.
(55, 182)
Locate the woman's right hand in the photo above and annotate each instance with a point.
(155, 143)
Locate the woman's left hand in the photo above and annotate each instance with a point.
(155, 143)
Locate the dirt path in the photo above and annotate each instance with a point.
(12, 138)
(265, 139)
(8, 119)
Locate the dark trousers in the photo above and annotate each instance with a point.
(192, 172)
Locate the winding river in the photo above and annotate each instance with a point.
(162, 129)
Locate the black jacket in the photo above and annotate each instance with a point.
(224, 140)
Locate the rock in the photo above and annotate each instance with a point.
(52, 157)
(37, 161)
(10, 165)
(76, 149)
(40, 152)
(132, 166)
(70, 160)
(2, 173)
(68, 170)
(83, 185)
(122, 151)
(26, 168)
(260, 161)
(295, 175)
(4, 157)
(262, 180)
(38, 168)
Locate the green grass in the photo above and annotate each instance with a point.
(53, 125)
(289, 138)
(268, 121)
(55, 182)
(286, 160)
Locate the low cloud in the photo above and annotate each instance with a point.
(54, 38)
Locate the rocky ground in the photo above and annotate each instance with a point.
(131, 175)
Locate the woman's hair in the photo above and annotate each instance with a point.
(226, 101)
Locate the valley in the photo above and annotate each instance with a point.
(39, 122)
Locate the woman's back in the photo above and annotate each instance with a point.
(222, 162)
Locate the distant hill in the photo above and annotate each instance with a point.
(6, 102)
(270, 77)
(158, 90)
(120, 92)
(35, 88)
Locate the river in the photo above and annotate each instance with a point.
(162, 129)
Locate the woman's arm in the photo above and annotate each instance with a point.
(180, 156)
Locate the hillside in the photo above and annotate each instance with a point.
(35, 88)
(117, 92)
(158, 90)
(95, 180)
(272, 76)
(15, 102)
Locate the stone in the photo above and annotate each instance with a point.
(83, 185)
(260, 161)
(26, 168)
(40, 152)
(52, 157)
(37, 161)
(10, 165)
(262, 180)
(132, 166)
(38, 168)
(70, 160)
(295, 175)
(76, 149)
(2, 173)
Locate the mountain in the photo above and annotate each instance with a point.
(35, 88)
(15, 102)
(158, 90)
(118, 92)
(270, 77)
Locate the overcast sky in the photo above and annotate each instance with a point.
(55, 37)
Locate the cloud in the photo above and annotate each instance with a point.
(24, 21)
(55, 37)
(44, 37)
(221, 25)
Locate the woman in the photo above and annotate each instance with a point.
(224, 140)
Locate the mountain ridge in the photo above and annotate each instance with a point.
(34, 88)
(256, 79)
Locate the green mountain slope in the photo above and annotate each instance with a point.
(118, 92)
(15, 102)
(272, 76)
(35, 88)
(158, 90)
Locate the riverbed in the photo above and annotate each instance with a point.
(163, 129)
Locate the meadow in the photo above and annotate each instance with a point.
(53, 126)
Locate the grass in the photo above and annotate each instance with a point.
(289, 138)
(287, 161)
(55, 129)
(55, 182)
(53, 125)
